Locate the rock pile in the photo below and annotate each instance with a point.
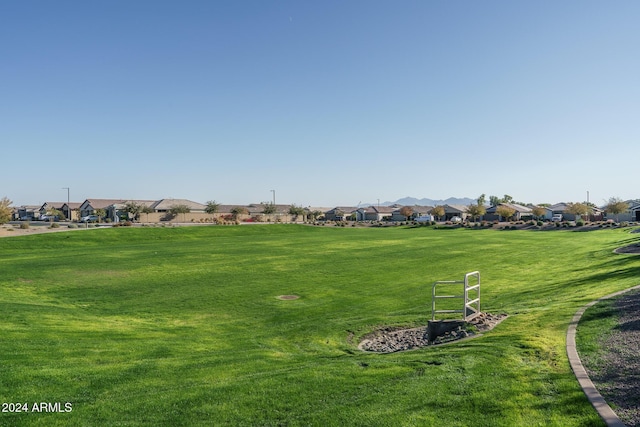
(390, 340)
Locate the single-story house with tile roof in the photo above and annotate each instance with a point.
(114, 208)
(455, 210)
(520, 212)
(631, 214)
(339, 213)
(416, 212)
(378, 213)
(71, 210)
(596, 214)
(90, 206)
(560, 209)
(47, 206)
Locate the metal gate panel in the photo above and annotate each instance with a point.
(470, 295)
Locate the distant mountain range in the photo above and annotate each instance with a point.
(411, 201)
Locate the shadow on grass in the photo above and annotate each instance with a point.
(618, 267)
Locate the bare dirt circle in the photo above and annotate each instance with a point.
(287, 297)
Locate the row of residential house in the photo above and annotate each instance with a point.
(394, 212)
(158, 211)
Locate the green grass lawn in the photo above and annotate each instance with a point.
(181, 326)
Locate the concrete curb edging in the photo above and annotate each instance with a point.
(596, 399)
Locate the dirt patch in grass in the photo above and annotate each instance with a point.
(390, 340)
(287, 297)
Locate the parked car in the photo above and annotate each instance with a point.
(556, 218)
(456, 219)
(89, 218)
(49, 218)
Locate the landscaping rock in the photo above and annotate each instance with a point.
(390, 340)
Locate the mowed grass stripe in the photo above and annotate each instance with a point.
(181, 326)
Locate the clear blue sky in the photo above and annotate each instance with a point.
(326, 102)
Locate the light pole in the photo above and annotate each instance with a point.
(274, 204)
(68, 207)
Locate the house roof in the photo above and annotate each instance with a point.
(455, 208)
(54, 205)
(516, 207)
(380, 209)
(416, 208)
(148, 203)
(633, 204)
(346, 209)
(103, 203)
(166, 204)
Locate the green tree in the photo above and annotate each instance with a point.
(268, 208)
(482, 200)
(538, 211)
(407, 211)
(296, 211)
(495, 200)
(616, 206)
(578, 209)
(100, 213)
(133, 210)
(174, 210)
(476, 211)
(438, 212)
(237, 211)
(212, 207)
(314, 215)
(505, 212)
(5, 210)
(54, 213)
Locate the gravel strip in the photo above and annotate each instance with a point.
(618, 377)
